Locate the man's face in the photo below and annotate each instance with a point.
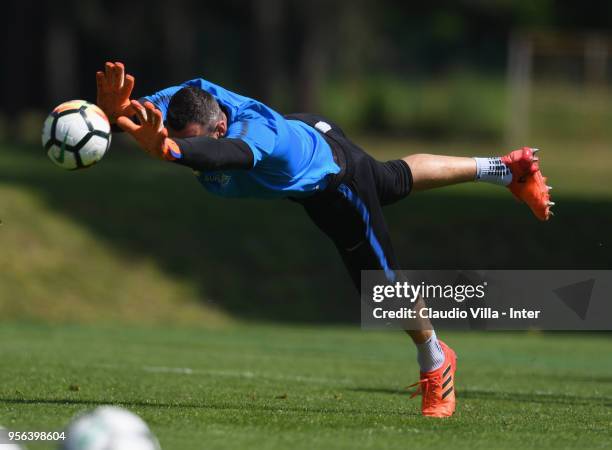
(192, 129)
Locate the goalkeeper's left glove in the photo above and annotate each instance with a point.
(151, 134)
(114, 90)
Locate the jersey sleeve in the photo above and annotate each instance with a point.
(206, 153)
(161, 99)
(257, 128)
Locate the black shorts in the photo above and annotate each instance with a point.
(349, 210)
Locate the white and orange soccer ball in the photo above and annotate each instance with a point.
(76, 135)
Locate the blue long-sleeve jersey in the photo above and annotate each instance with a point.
(290, 159)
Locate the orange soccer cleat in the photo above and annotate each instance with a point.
(528, 184)
(438, 387)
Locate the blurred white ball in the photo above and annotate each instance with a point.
(109, 428)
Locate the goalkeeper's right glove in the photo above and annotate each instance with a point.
(150, 133)
(114, 90)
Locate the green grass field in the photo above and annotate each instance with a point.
(273, 387)
(126, 284)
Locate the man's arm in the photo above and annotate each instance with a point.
(199, 153)
(206, 153)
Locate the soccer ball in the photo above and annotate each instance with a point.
(76, 135)
(109, 428)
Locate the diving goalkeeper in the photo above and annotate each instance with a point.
(239, 147)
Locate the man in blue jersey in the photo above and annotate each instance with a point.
(239, 147)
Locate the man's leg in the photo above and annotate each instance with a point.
(434, 171)
(352, 217)
(423, 335)
(519, 171)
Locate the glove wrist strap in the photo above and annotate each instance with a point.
(171, 151)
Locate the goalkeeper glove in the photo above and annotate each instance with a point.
(151, 135)
(114, 90)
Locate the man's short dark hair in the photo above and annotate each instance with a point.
(192, 104)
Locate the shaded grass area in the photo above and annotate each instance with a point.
(54, 269)
(152, 234)
(268, 387)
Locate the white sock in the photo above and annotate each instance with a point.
(429, 354)
(493, 170)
